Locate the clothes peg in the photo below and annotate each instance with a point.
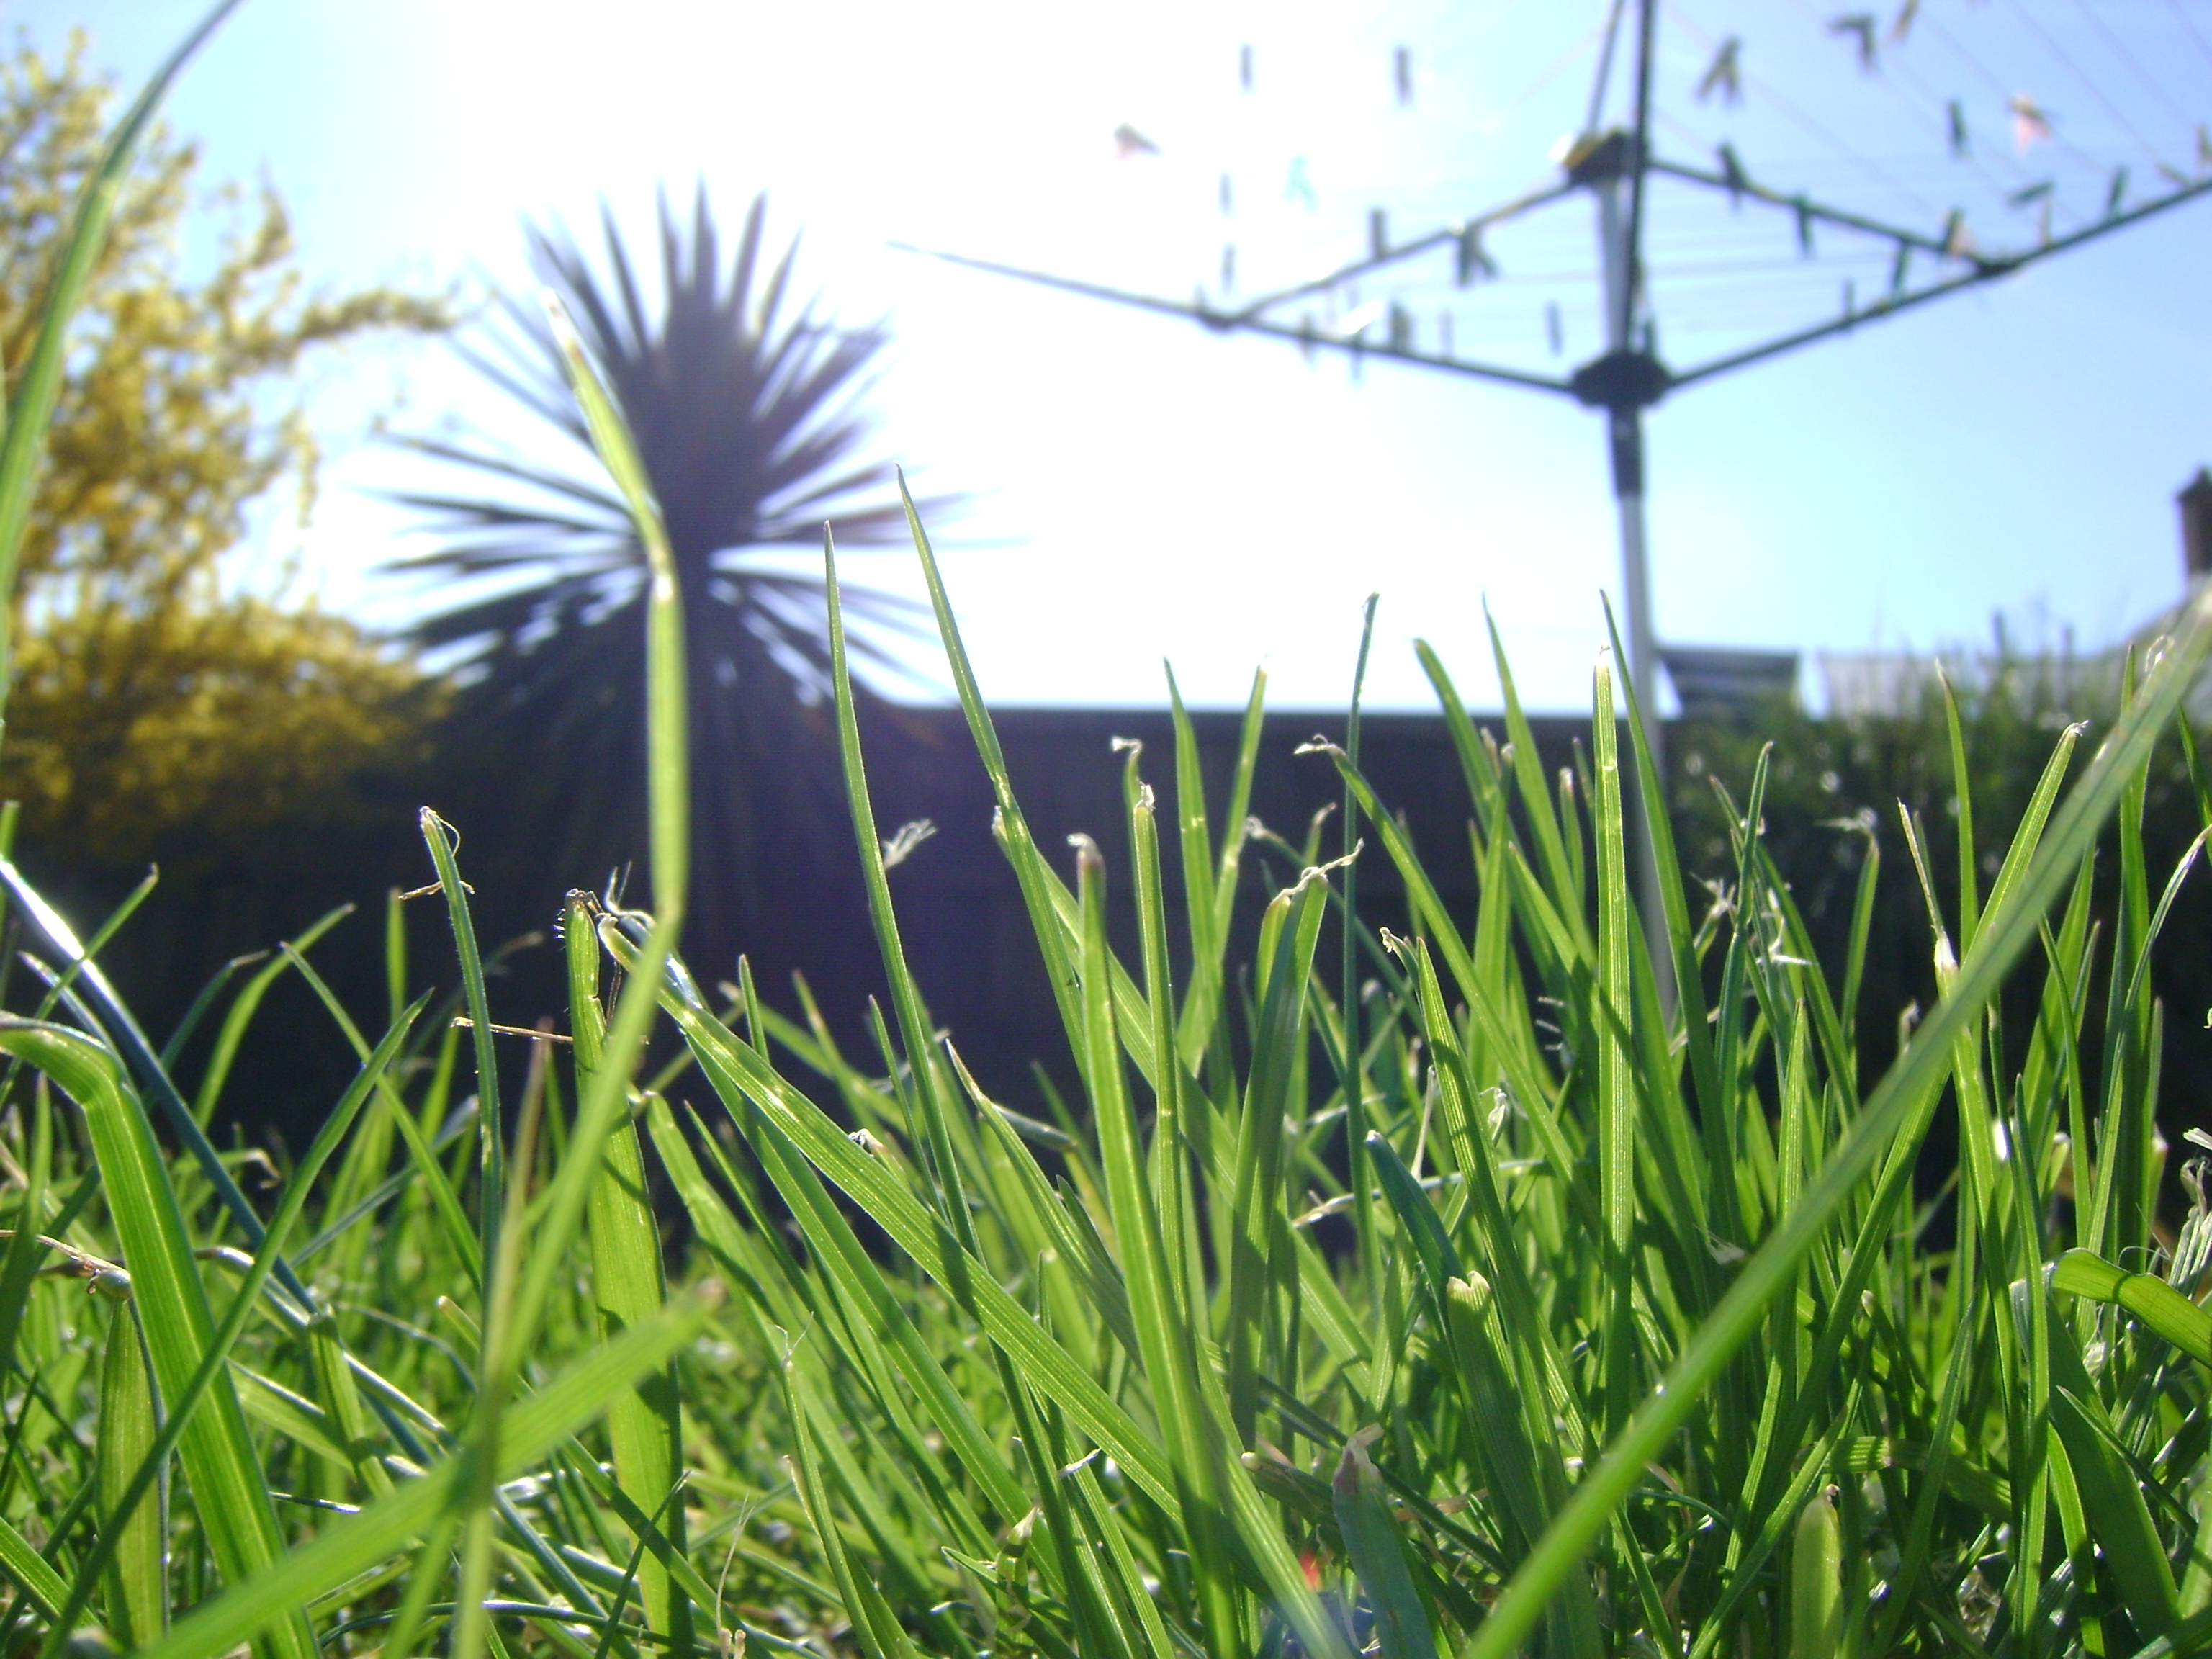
(1228, 198)
(1128, 142)
(2029, 122)
(1401, 72)
(1473, 260)
(2035, 192)
(1958, 241)
(1401, 328)
(1554, 333)
(1861, 26)
(1244, 67)
(1900, 270)
(1732, 170)
(1299, 185)
(2117, 193)
(1724, 74)
(1378, 234)
(1229, 267)
(1901, 26)
(1957, 114)
(1804, 210)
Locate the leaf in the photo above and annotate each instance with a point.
(2155, 1302)
(138, 1599)
(530, 1430)
(2003, 934)
(229, 1491)
(1362, 1516)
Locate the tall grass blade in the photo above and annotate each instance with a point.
(1919, 1070)
(38, 386)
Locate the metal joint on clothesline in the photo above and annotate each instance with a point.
(1621, 380)
(1600, 158)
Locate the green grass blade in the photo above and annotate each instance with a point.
(2152, 1301)
(645, 1427)
(1617, 936)
(1371, 1538)
(136, 1595)
(738, 1074)
(39, 383)
(229, 1492)
(212, 1372)
(30, 1573)
(442, 839)
(532, 1428)
(1163, 1331)
(460, 1235)
(241, 1014)
(606, 1103)
(1236, 824)
(1528, 774)
(1919, 1070)
(906, 999)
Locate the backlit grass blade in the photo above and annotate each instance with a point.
(211, 1373)
(738, 1074)
(442, 839)
(1658, 826)
(36, 384)
(1616, 1099)
(1529, 773)
(242, 1009)
(532, 1427)
(25, 1568)
(2111, 1500)
(1293, 928)
(1919, 1071)
(906, 1000)
(1163, 1331)
(604, 1104)
(20, 1260)
(2151, 1300)
(1370, 1538)
(136, 1595)
(230, 1493)
(644, 1427)
(139, 1057)
(460, 1235)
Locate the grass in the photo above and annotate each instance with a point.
(1484, 1291)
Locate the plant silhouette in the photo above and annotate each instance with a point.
(748, 410)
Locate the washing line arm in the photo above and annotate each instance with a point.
(1238, 323)
(1741, 184)
(1990, 268)
(1444, 237)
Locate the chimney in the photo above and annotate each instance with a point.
(2196, 503)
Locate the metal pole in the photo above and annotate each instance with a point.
(1624, 433)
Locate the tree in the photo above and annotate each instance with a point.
(746, 413)
(161, 695)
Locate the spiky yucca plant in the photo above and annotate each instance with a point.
(748, 411)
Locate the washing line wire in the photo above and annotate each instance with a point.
(1767, 91)
(1937, 115)
(1611, 30)
(2189, 23)
(2080, 75)
(1934, 24)
(2120, 48)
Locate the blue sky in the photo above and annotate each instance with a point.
(1142, 487)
